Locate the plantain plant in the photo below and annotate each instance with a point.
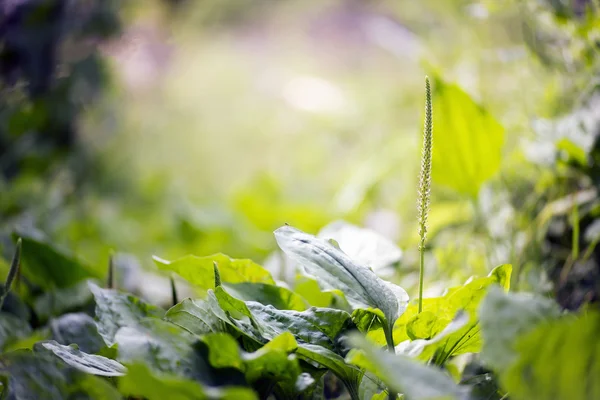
(425, 185)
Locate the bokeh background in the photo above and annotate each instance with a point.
(174, 127)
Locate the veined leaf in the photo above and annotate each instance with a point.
(196, 316)
(439, 312)
(88, 363)
(115, 310)
(349, 374)
(272, 362)
(164, 347)
(468, 140)
(504, 317)
(335, 270)
(320, 326)
(199, 271)
(140, 381)
(402, 374)
(317, 331)
(424, 349)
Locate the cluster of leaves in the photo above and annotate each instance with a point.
(243, 336)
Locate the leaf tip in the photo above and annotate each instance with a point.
(217, 275)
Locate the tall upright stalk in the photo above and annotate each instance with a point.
(425, 185)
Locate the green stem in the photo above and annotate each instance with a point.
(389, 338)
(421, 273)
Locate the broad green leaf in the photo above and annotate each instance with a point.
(34, 375)
(79, 329)
(438, 313)
(277, 296)
(349, 374)
(335, 270)
(318, 331)
(320, 326)
(61, 300)
(164, 347)
(559, 359)
(199, 271)
(403, 374)
(12, 328)
(271, 363)
(368, 319)
(504, 317)
(115, 310)
(51, 267)
(141, 382)
(196, 316)
(88, 363)
(223, 351)
(424, 349)
(380, 396)
(467, 140)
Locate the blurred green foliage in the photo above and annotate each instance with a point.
(200, 128)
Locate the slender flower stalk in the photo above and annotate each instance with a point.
(425, 185)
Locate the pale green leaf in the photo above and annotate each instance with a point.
(335, 270)
(199, 271)
(438, 313)
(467, 140)
(425, 348)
